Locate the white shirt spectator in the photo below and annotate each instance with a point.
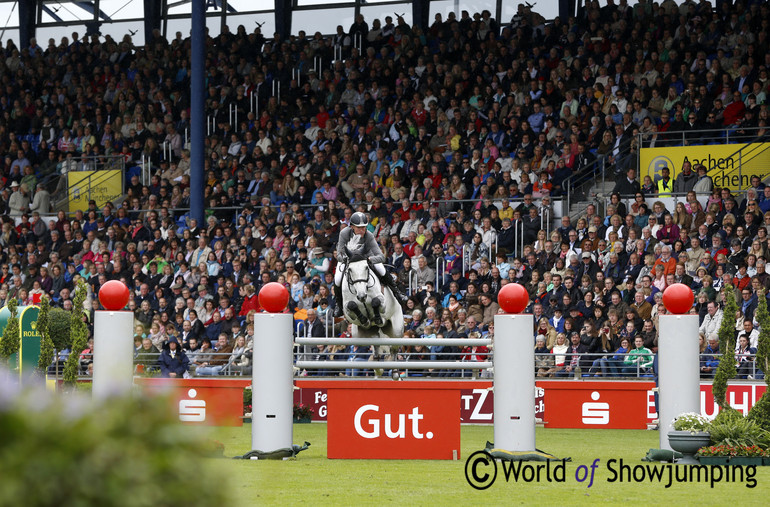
(711, 323)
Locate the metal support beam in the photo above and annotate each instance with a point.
(283, 18)
(198, 109)
(421, 13)
(93, 9)
(152, 19)
(566, 9)
(27, 17)
(223, 19)
(51, 13)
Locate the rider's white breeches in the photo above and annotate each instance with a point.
(379, 268)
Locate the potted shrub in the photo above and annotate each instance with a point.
(303, 413)
(739, 438)
(750, 455)
(732, 455)
(690, 434)
(715, 455)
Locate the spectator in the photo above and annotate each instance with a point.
(710, 357)
(745, 356)
(712, 321)
(219, 359)
(173, 361)
(639, 360)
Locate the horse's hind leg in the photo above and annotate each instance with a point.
(389, 353)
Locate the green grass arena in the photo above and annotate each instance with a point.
(311, 477)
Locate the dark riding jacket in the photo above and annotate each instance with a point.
(369, 248)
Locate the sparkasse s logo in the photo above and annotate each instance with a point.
(192, 410)
(595, 412)
(388, 423)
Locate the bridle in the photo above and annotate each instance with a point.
(353, 281)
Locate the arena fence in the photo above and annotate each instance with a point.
(444, 364)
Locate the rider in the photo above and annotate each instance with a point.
(370, 250)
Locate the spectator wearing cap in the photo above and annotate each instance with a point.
(457, 278)
(203, 296)
(588, 265)
(19, 200)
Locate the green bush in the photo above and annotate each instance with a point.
(760, 412)
(46, 345)
(728, 415)
(727, 365)
(9, 345)
(79, 334)
(59, 328)
(732, 430)
(67, 450)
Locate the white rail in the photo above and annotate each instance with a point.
(449, 342)
(388, 365)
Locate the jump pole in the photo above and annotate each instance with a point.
(678, 361)
(514, 373)
(113, 354)
(272, 378)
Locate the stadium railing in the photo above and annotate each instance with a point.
(361, 362)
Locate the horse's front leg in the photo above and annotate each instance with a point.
(378, 307)
(357, 313)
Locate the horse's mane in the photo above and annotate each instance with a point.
(354, 249)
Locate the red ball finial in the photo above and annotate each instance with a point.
(273, 297)
(678, 298)
(114, 295)
(513, 298)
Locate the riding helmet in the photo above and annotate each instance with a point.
(359, 219)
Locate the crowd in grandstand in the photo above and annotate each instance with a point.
(453, 140)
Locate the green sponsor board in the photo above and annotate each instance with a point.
(29, 348)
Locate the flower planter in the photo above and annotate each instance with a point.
(714, 460)
(302, 420)
(688, 443)
(746, 460)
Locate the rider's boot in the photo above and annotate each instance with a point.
(390, 282)
(337, 301)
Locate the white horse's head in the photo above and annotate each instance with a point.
(360, 279)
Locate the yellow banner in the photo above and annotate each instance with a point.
(721, 160)
(101, 186)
